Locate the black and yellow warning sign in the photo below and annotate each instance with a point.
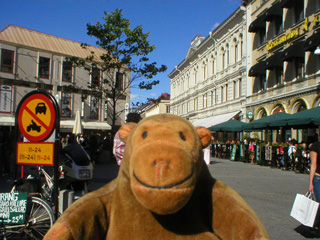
(36, 117)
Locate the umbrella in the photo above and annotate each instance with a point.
(229, 126)
(267, 122)
(77, 128)
(307, 118)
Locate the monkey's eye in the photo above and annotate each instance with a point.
(182, 136)
(144, 134)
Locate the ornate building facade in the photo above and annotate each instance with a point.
(210, 84)
(285, 68)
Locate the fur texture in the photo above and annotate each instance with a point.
(163, 191)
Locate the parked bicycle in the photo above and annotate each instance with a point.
(39, 218)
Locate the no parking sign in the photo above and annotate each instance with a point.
(37, 117)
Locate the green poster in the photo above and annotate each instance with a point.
(13, 207)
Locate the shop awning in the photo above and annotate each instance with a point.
(214, 120)
(304, 119)
(257, 24)
(7, 121)
(229, 126)
(312, 42)
(67, 124)
(294, 51)
(266, 122)
(273, 12)
(274, 61)
(258, 69)
(96, 125)
(286, 3)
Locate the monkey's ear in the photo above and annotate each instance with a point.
(125, 130)
(204, 135)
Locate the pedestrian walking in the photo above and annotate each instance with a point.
(118, 145)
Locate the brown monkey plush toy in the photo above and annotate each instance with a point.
(163, 191)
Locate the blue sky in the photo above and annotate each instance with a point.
(172, 24)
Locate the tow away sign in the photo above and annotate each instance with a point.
(36, 117)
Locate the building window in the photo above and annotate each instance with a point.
(215, 96)
(66, 105)
(106, 110)
(279, 75)
(67, 71)
(228, 55)
(167, 108)
(235, 51)
(298, 11)
(240, 87)
(223, 58)
(7, 58)
(212, 98)
(262, 82)
(5, 98)
(226, 92)
(299, 68)
(44, 67)
(204, 71)
(278, 25)
(262, 36)
(205, 103)
(241, 47)
(94, 108)
(119, 81)
(95, 78)
(213, 66)
(222, 94)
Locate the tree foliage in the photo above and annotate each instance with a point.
(126, 52)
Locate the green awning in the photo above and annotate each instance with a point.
(304, 119)
(229, 126)
(266, 122)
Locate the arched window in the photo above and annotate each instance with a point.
(277, 109)
(228, 55)
(299, 106)
(262, 113)
(241, 46)
(212, 66)
(223, 55)
(204, 70)
(235, 50)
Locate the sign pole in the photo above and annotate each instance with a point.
(56, 158)
(37, 118)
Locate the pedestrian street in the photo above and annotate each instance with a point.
(269, 191)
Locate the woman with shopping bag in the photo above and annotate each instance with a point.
(314, 177)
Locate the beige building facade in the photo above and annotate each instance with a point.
(212, 80)
(285, 67)
(34, 60)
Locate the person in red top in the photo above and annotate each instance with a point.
(118, 145)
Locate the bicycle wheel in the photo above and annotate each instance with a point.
(38, 220)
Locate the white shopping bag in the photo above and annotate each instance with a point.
(305, 209)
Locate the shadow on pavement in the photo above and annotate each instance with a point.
(308, 232)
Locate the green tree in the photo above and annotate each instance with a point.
(124, 62)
